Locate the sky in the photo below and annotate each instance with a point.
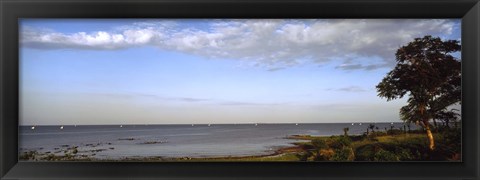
(199, 71)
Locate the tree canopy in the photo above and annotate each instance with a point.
(428, 73)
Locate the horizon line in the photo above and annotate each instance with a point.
(145, 124)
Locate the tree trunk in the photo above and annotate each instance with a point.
(426, 124)
(431, 141)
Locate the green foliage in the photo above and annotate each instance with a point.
(450, 146)
(395, 132)
(335, 148)
(344, 154)
(430, 75)
(407, 155)
(339, 142)
(382, 155)
(387, 152)
(303, 156)
(319, 144)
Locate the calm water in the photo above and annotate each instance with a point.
(113, 141)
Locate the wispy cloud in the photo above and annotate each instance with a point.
(233, 103)
(348, 89)
(190, 99)
(273, 44)
(361, 66)
(275, 69)
(149, 96)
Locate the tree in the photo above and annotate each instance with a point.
(372, 127)
(345, 131)
(429, 75)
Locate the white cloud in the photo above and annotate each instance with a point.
(348, 89)
(273, 44)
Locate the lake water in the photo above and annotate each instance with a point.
(115, 142)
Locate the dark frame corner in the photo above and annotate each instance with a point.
(11, 10)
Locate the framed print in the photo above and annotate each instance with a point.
(223, 89)
(152, 90)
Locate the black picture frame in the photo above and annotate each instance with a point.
(11, 10)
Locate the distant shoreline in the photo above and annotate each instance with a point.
(206, 124)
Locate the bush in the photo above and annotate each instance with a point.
(28, 155)
(383, 155)
(339, 142)
(405, 154)
(388, 152)
(304, 156)
(395, 132)
(319, 144)
(335, 148)
(344, 154)
(324, 155)
(366, 152)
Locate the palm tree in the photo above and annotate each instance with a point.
(429, 75)
(371, 126)
(345, 131)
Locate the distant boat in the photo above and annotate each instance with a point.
(360, 124)
(256, 124)
(391, 123)
(75, 125)
(61, 127)
(296, 124)
(121, 126)
(33, 127)
(208, 124)
(193, 125)
(353, 124)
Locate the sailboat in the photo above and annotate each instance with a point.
(209, 124)
(193, 125)
(33, 127)
(61, 127)
(296, 124)
(256, 124)
(353, 124)
(360, 124)
(121, 126)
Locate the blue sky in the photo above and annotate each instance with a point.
(175, 71)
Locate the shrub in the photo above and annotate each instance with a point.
(304, 156)
(383, 155)
(366, 152)
(339, 142)
(404, 154)
(319, 144)
(28, 155)
(324, 155)
(395, 132)
(344, 154)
